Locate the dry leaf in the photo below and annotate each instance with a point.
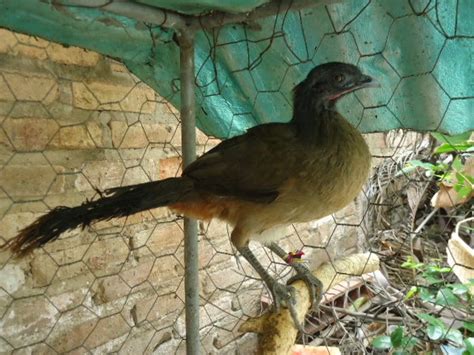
(461, 258)
(447, 197)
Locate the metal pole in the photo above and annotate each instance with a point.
(177, 21)
(188, 135)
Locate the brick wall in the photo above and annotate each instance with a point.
(71, 122)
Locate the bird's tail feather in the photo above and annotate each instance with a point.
(116, 202)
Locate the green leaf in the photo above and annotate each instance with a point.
(469, 343)
(469, 326)
(455, 336)
(464, 190)
(446, 297)
(450, 350)
(448, 178)
(409, 342)
(406, 170)
(396, 337)
(459, 289)
(358, 303)
(421, 164)
(456, 147)
(440, 269)
(432, 278)
(457, 164)
(382, 342)
(432, 320)
(426, 295)
(457, 138)
(400, 352)
(435, 332)
(412, 264)
(461, 178)
(411, 293)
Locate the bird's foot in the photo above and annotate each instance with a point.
(284, 295)
(315, 286)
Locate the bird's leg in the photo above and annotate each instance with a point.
(282, 294)
(302, 273)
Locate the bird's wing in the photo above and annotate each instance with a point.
(251, 167)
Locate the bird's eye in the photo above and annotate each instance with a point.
(339, 78)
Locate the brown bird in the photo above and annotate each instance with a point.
(273, 175)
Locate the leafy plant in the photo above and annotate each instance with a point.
(459, 148)
(399, 341)
(436, 290)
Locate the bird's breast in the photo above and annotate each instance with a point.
(329, 179)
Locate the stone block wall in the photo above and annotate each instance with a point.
(73, 122)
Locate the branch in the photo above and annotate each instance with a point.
(218, 19)
(389, 319)
(177, 21)
(277, 331)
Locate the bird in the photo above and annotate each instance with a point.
(273, 175)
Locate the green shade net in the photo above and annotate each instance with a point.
(421, 52)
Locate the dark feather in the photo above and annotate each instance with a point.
(118, 202)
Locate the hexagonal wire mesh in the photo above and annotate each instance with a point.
(117, 286)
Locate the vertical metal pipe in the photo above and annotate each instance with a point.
(188, 135)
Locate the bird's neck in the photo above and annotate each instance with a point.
(314, 119)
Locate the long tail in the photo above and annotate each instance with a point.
(118, 202)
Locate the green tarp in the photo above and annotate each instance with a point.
(421, 51)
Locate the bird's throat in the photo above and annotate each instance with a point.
(313, 118)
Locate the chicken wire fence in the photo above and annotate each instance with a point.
(118, 285)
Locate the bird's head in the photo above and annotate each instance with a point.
(326, 83)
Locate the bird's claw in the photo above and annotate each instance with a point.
(282, 295)
(285, 295)
(315, 286)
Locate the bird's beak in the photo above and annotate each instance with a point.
(366, 81)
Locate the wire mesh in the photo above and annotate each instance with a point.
(118, 285)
